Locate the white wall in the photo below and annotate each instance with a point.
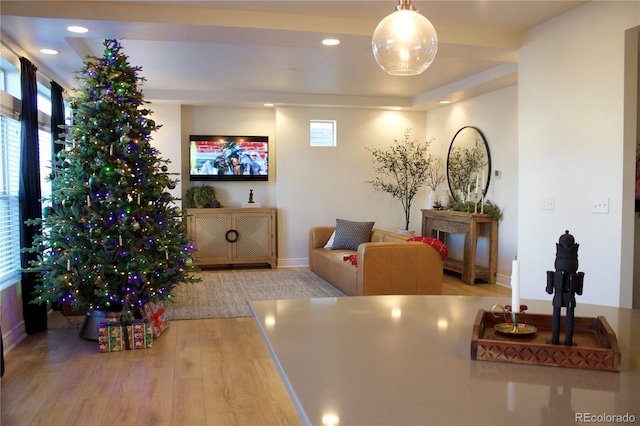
(317, 185)
(571, 145)
(167, 140)
(496, 115)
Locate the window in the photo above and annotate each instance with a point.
(323, 133)
(9, 204)
(44, 141)
(10, 128)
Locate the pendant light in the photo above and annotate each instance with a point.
(405, 42)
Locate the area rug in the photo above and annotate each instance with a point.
(226, 294)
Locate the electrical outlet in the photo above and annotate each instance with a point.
(498, 174)
(600, 205)
(548, 203)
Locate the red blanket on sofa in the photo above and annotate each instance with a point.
(434, 242)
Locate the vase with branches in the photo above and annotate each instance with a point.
(402, 169)
(435, 176)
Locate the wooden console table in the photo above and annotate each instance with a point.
(436, 222)
(227, 236)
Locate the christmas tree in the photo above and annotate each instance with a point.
(112, 237)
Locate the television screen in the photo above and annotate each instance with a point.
(234, 158)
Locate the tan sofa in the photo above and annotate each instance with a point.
(387, 265)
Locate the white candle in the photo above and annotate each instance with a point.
(68, 264)
(469, 192)
(482, 181)
(477, 177)
(88, 201)
(515, 286)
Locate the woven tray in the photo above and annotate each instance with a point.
(595, 344)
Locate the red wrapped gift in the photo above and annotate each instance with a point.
(155, 314)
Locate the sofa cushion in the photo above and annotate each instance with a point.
(349, 235)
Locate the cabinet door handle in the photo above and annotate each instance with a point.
(231, 235)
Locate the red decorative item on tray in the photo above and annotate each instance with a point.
(155, 314)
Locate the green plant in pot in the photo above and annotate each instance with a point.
(402, 169)
(201, 196)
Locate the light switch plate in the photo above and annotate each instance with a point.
(600, 205)
(548, 203)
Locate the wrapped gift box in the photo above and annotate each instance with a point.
(155, 314)
(114, 337)
(110, 337)
(138, 335)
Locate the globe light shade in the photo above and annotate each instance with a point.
(404, 43)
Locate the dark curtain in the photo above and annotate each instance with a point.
(57, 119)
(35, 316)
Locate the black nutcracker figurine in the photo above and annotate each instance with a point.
(564, 283)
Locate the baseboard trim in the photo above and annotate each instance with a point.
(503, 280)
(293, 263)
(13, 337)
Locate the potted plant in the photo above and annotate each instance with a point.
(201, 196)
(402, 170)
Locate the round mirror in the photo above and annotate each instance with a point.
(468, 165)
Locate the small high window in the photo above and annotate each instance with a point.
(322, 133)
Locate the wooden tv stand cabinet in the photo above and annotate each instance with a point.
(437, 222)
(228, 236)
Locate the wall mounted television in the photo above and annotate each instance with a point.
(228, 158)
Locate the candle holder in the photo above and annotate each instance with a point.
(475, 202)
(515, 323)
(482, 202)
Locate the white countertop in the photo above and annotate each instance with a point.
(396, 360)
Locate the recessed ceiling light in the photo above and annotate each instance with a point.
(77, 29)
(330, 41)
(444, 102)
(49, 51)
(268, 105)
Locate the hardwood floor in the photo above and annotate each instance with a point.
(199, 372)
(453, 286)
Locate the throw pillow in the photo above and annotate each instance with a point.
(349, 235)
(330, 242)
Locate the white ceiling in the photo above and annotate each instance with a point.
(252, 52)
